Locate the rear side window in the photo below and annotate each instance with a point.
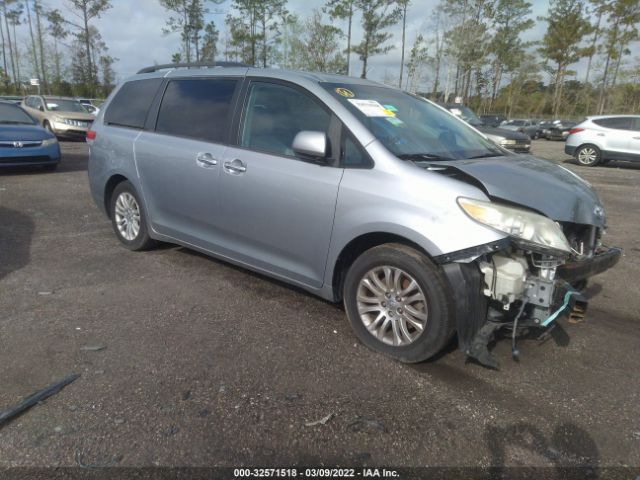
(197, 108)
(620, 123)
(131, 104)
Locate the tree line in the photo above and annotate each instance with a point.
(482, 52)
(64, 51)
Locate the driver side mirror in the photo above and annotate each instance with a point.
(41, 108)
(310, 144)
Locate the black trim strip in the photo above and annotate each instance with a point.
(473, 251)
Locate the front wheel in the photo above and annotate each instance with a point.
(128, 218)
(588, 155)
(398, 303)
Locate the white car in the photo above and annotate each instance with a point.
(603, 138)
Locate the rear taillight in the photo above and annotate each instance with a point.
(91, 135)
(575, 130)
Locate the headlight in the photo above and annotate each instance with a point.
(49, 141)
(506, 141)
(527, 228)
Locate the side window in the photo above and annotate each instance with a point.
(29, 102)
(636, 124)
(618, 123)
(197, 108)
(274, 114)
(353, 155)
(130, 105)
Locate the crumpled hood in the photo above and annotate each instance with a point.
(23, 132)
(503, 132)
(538, 184)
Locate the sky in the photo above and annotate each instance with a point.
(132, 29)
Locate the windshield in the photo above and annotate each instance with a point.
(12, 114)
(466, 114)
(516, 123)
(62, 105)
(411, 127)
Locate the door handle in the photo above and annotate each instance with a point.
(206, 160)
(235, 167)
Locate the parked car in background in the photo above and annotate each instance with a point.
(509, 139)
(415, 221)
(64, 117)
(529, 127)
(491, 120)
(559, 130)
(11, 99)
(543, 128)
(603, 138)
(23, 142)
(88, 104)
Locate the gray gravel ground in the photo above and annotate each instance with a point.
(207, 364)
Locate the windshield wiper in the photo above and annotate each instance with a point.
(486, 155)
(423, 157)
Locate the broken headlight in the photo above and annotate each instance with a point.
(530, 230)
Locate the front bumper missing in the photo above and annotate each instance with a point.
(477, 322)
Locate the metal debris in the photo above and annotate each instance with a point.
(92, 348)
(322, 421)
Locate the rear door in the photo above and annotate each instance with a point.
(634, 146)
(179, 161)
(276, 209)
(616, 134)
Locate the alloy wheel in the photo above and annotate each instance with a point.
(392, 305)
(127, 216)
(587, 155)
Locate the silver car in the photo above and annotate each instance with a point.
(354, 191)
(606, 137)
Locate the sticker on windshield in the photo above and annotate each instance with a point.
(394, 121)
(372, 108)
(345, 92)
(391, 108)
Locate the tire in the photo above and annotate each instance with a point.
(379, 311)
(129, 219)
(588, 155)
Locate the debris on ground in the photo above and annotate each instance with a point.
(322, 421)
(37, 397)
(362, 424)
(93, 348)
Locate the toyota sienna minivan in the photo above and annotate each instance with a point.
(354, 191)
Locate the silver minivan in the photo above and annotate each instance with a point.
(354, 191)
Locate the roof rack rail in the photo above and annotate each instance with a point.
(166, 66)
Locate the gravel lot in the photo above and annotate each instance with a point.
(207, 364)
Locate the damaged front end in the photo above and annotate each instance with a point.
(527, 280)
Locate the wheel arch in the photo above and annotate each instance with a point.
(359, 245)
(109, 187)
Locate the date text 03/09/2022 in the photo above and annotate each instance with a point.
(315, 472)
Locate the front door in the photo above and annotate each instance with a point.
(277, 210)
(179, 163)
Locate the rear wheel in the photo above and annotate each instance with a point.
(129, 219)
(588, 155)
(397, 302)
